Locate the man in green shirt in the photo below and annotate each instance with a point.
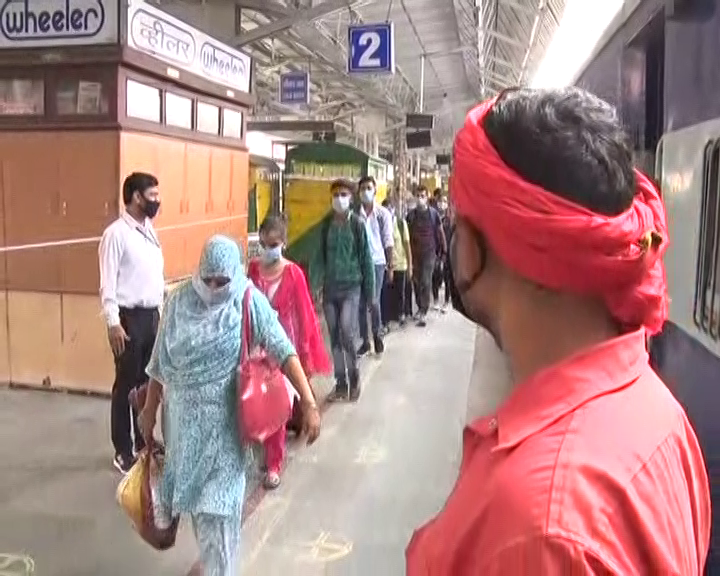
(348, 272)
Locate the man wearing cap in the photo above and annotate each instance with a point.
(590, 465)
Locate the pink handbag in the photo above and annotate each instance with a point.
(263, 405)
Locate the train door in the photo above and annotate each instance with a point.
(686, 354)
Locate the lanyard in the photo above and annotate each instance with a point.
(147, 234)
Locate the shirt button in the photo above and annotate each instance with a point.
(493, 424)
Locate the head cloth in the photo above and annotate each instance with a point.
(557, 243)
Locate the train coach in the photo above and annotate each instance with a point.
(657, 64)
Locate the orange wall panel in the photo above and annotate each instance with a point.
(203, 190)
(240, 184)
(56, 186)
(198, 158)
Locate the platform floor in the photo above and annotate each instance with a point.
(348, 504)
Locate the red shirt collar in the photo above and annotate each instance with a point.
(562, 388)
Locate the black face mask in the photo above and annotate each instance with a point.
(150, 208)
(455, 291)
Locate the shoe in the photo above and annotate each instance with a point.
(402, 322)
(421, 321)
(122, 463)
(364, 349)
(379, 344)
(271, 481)
(355, 387)
(340, 392)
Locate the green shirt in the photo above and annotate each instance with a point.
(345, 268)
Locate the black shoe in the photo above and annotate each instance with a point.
(123, 463)
(379, 345)
(402, 322)
(354, 387)
(340, 392)
(421, 321)
(364, 349)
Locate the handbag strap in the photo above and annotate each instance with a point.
(247, 326)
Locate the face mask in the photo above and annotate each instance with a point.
(422, 202)
(210, 296)
(341, 203)
(368, 194)
(150, 208)
(457, 291)
(271, 255)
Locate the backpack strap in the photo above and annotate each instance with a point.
(324, 231)
(359, 232)
(382, 223)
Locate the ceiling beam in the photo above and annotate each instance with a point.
(529, 10)
(503, 38)
(267, 7)
(295, 17)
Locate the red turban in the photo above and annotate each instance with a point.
(559, 244)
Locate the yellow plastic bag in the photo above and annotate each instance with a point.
(129, 491)
(135, 495)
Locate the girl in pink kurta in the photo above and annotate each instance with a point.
(284, 284)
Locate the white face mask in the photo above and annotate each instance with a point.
(271, 255)
(210, 296)
(368, 195)
(341, 203)
(422, 202)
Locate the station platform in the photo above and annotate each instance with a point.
(347, 505)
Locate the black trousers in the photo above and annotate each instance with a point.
(140, 324)
(393, 297)
(423, 267)
(441, 275)
(408, 300)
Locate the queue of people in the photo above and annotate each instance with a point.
(188, 355)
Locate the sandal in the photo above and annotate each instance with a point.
(272, 480)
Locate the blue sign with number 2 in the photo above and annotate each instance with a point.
(371, 48)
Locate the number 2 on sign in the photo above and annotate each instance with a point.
(370, 44)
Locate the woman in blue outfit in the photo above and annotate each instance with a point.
(192, 372)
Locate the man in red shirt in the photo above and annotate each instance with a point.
(590, 465)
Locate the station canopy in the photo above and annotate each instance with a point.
(472, 49)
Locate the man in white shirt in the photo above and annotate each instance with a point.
(379, 227)
(131, 290)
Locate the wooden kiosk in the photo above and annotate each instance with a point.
(89, 92)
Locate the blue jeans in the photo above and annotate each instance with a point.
(340, 308)
(374, 306)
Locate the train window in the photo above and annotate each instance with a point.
(208, 118)
(142, 101)
(22, 97)
(232, 123)
(178, 111)
(706, 305)
(81, 97)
